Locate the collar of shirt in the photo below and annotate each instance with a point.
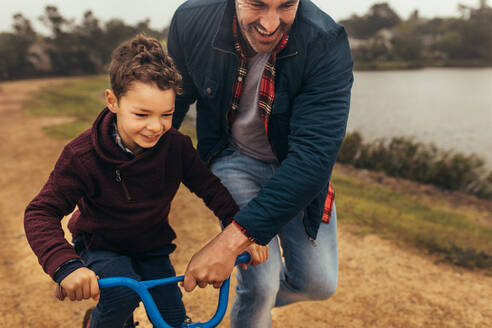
(117, 139)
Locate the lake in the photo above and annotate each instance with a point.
(450, 107)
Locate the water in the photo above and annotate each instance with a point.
(451, 108)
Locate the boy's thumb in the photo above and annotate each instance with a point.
(59, 293)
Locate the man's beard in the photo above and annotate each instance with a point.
(254, 42)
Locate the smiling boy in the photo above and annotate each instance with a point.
(122, 174)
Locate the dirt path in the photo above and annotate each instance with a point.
(380, 284)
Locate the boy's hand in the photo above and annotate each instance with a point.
(258, 253)
(78, 285)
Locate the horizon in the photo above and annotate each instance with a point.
(111, 9)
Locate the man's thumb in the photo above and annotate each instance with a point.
(189, 282)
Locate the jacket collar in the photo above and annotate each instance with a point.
(224, 40)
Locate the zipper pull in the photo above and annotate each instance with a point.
(118, 176)
(120, 180)
(311, 239)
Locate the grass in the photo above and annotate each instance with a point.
(454, 234)
(435, 226)
(81, 99)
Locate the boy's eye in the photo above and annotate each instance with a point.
(167, 114)
(140, 114)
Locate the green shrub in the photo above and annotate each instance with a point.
(350, 147)
(406, 158)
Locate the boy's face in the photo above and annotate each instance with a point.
(143, 114)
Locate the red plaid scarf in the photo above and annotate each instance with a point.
(266, 96)
(267, 84)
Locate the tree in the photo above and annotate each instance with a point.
(91, 34)
(55, 22)
(380, 16)
(407, 45)
(67, 49)
(14, 49)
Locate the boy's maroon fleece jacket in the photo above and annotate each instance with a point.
(123, 203)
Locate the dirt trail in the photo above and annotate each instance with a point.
(380, 284)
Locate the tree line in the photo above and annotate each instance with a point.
(379, 39)
(381, 35)
(71, 48)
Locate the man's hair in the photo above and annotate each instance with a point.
(142, 59)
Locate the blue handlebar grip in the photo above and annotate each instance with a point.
(142, 289)
(243, 258)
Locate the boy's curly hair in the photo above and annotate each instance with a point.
(142, 59)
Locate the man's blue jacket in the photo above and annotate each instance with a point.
(310, 111)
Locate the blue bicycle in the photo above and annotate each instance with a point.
(142, 289)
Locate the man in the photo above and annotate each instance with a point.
(272, 81)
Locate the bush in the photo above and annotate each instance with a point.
(406, 158)
(350, 147)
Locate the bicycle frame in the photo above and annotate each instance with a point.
(142, 289)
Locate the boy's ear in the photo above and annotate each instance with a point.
(111, 100)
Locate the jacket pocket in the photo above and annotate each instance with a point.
(206, 85)
(208, 90)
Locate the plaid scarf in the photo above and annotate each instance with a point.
(266, 97)
(267, 84)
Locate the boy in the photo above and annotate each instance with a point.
(122, 175)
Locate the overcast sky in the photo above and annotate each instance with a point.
(161, 11)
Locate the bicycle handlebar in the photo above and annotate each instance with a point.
(142, 289)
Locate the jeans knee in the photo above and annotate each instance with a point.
(320, 290)
(118, 300)
(262, 292)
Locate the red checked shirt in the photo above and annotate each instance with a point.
(265, 99)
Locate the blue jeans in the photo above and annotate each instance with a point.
(309, 270)
(117, 304)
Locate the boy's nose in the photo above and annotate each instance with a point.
(154, 126)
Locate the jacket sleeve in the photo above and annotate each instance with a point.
(199, 179)
(317, 128)
(175, 49)
(42, 219)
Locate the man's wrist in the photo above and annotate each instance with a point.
(244, 231)
(234, 239)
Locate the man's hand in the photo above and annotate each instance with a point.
(258, 253)
(78, 285)
(214, 263)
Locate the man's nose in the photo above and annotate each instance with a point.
(270, 21)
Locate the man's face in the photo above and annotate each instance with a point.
(263, 22)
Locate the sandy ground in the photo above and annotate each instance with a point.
(380, 284)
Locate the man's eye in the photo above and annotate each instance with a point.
(257, 4)
(288, 5)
